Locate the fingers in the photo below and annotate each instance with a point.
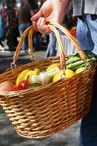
(37, 16)
(46, 29)
(35, 25)
(41, 25)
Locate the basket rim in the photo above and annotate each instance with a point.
(46, 86)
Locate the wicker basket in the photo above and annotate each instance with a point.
(45, 110)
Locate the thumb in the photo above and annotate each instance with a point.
(37, 16)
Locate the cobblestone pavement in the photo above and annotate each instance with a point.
(8, 135)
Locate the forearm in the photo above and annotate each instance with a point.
(60, 7)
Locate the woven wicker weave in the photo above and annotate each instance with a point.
(45, 110)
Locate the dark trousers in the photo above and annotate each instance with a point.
(87, 38)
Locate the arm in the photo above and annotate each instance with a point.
(60, 7)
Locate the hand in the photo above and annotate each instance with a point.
(45, 13)
(53, 10)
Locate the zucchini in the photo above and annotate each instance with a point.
(87, 52)
(72, 59)
(76, 57)
(72, 65)
(82, 65)
(79, 63)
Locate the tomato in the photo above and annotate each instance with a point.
(24, 84)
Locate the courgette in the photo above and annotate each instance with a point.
(73, 65)
(89, 54)
(81, 62)
(72, 59)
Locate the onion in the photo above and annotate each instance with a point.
(43, 77)
(6, 86)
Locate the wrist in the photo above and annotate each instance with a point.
(60, 9)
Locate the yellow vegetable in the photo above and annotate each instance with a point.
(52, 66)
(31, 73)
(68, 74)
(21, 76)
(80, 70)
(37, 71)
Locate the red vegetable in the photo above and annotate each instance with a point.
(60, 68)
(15, 89)
(24, 84)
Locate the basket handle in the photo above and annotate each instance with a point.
(75, 43)
(62, 55)
(53, 26)
(29, 31)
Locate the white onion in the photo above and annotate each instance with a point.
(43, 77)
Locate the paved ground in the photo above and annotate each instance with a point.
(8, 135)
(6, 58)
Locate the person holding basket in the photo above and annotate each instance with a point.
(86, 13)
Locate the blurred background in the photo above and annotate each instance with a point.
(15, 18)
(9, 24)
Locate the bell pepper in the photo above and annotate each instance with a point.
(15, 89)
(23, 84)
